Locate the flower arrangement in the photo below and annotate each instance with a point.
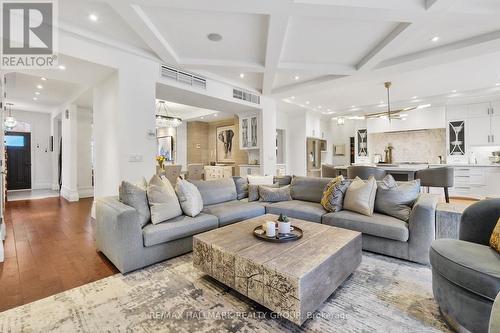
(160, 159)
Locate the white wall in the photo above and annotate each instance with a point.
(181, 145)
(41, 160)
(340, 134)
(84, 153)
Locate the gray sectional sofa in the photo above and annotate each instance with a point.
(129, 245)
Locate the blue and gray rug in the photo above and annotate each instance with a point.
(383, 295)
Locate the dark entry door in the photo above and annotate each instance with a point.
(18, 145)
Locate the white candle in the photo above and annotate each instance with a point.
(270, 229)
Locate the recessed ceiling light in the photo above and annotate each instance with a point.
(453, 91)
(37, 93)
(353, 106)
(35, 98)
(498, 84)
(242, 75)
(216, 114)
(39, 86)
(292, 97)
(414, 97)
(307, 102)
(202, 117)
(434, 39)
(214, 37)
(296, 77)
(43, 78)
(93, 17)
(62, 67)
(328, 109)
(319, 106)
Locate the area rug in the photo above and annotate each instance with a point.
(382, 295)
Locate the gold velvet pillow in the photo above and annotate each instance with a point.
(327, 192)
(495, 237)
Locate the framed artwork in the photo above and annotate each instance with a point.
(225, 143)
(362, 142)
(457, 137)
(166, 147)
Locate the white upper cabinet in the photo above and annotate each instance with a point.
(495, 129)
(479, 110)
(249, 126)
(457, 112)
(478, 131)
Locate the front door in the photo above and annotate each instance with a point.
(18, 145)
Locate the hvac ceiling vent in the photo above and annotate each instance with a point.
(183, 77)
(246, 96)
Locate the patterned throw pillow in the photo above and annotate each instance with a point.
(334, 199)
(495, 238)
(269, 194)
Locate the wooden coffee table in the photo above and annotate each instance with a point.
(292, 279)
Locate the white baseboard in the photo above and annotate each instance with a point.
(55, 187)
(86, 192)
(69, 194)
(92, 211)
(42, 186)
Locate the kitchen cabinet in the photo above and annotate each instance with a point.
(478, 133)
(218, 172)
(456, 112)
(478, 110)
(249, 126)
(495, 128)
(478, 182)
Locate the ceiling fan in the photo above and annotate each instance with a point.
(392, 114)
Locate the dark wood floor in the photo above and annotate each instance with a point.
(49, 248)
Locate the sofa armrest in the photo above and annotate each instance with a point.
(118, 231)
(422, 227)
(494, 325)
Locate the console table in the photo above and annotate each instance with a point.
(218, 171)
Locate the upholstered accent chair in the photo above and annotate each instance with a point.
(364, 172)
(466, 272)
(437, 177)
(328, 171)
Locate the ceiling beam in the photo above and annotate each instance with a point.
(144, 27)
(276, 35)
(237, 65)
(307, 83)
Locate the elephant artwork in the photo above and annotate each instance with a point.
(225, 137)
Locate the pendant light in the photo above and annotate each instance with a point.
(162, 117)
(9, 122)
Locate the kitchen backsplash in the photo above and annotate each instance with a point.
(410, 146)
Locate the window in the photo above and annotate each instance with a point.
(14, 141)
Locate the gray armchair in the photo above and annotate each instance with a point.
(364, 172)
(437, 177)
(328, 171)
(466, 272)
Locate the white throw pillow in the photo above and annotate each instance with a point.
(360, 196)
(260, 180)
(189, 197)
(162, 200)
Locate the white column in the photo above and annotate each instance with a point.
(84, 168)
(268, 136)
(69, 189)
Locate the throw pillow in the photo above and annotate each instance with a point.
(360, 196)
(189, 197)
(253, 191)
(327, 191)
(395, 199)
(162, 199)
(260, 180)
(334, 202)
(269, 194)
(495, 237)
(241, 187)
(134, 195)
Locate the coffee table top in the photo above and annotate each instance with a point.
(296, 259)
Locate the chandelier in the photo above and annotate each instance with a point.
(393, 114)
(162, 117)
(9, 122)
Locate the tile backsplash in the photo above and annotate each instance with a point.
(410, 146)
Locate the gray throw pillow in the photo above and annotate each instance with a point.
(253, 191)
(396, 199)
(241, 187)
(189, 197)
(134, 195)
(163, 201)
(269, 194)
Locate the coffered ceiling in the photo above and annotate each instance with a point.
(338, 52)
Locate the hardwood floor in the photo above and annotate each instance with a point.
(49, 248)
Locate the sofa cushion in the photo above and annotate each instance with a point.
(472, 266)
(189, 197)
(176, 228)
(376, 225)
(283, 180)
(216, 191)
(241, 184)
(333, 195)
(308, 188)
(395, 199)
(304, 210)
(360, 196)
(163, 201)
(234, 211)
(270, 194)
(253, 191)
(134, 195)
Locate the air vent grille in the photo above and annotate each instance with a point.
(183, 77)
(246, 96)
